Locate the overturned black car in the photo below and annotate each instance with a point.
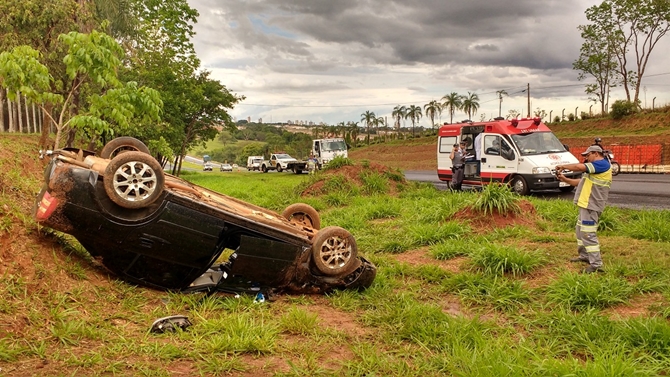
(158, 230)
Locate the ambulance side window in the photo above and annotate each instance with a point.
(492, 145)
(447, 143)
(507, 152)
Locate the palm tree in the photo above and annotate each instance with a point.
(399, 112)
(452, 102)
(342, 128)
(500, 94)
(414, 113)
(380, 122)
(431, 108)
(369, 118)
(353, 131)
(471, 104)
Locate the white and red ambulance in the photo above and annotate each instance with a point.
(521, 152)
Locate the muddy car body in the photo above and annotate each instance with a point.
(158, 230)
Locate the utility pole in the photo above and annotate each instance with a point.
(528, 91)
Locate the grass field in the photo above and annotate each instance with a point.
(458, 293)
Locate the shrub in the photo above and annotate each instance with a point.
(496, 197)
(622, 108)
(338, 162)
(583, 292)
(498, 260)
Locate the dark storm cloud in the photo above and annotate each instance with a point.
(521, 33)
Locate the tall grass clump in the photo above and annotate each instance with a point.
(374, 183)
(454, 247)
(430, 234)
(338, 162)
(583, 292)
(496, 197)
(649, 225)
(561, 213)
(498, 292)
(499, 260)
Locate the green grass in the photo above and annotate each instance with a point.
(510, 305)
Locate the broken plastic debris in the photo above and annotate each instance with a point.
(170, 324)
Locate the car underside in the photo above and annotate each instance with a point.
(155, 229)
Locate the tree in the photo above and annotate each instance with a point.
(452, 102)
(352, 127)
(91, 59)
(597, 59)
(630, 25)
(500, 94)
(204, 102)
(399, 112)
(369, 118)
(470, 104)
(431, 109)
(414, 114)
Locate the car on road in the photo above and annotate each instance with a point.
(226, 167)
(157, 230)
(207, 166)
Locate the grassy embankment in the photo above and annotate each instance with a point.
(456, 294)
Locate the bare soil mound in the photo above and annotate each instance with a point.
(369, 177)
(483, 223)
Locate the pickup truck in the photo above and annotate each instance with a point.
(281, 162)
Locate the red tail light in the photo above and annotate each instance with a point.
(46, 207)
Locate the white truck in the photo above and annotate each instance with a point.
(521, 152)
(326, 149)
(283, 162)
(254, 162)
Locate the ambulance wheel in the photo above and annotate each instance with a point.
(519, 185)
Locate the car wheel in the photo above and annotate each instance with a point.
(297, 171)
(616, 168)
(264, 169)
(334, 251)
(567, 188)
(519, 185)
(279, 169)
(134, 180)
(303, 214)
(122, 144)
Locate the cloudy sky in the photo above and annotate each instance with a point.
(331, 60)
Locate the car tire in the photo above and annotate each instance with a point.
(303, 214)
(279, 169)
(134, 180)
(519, 185)
(122, 144)
(616, 168)
(334, 251)
(264, 169)
(297, 171)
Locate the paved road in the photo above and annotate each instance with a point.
(628, 190)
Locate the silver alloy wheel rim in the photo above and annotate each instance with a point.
(134, 181)
(518, 186)
(335, 252)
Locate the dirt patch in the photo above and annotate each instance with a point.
(483, 223)
(353, 175)
(421, 257)
(638, 306)
(335, 319)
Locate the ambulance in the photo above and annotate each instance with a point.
(520, 152)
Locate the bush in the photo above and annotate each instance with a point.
(622, 108)
(496, 197)
(338, 162)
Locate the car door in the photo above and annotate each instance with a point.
(498, 158)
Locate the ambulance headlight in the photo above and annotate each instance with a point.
(541, 170)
